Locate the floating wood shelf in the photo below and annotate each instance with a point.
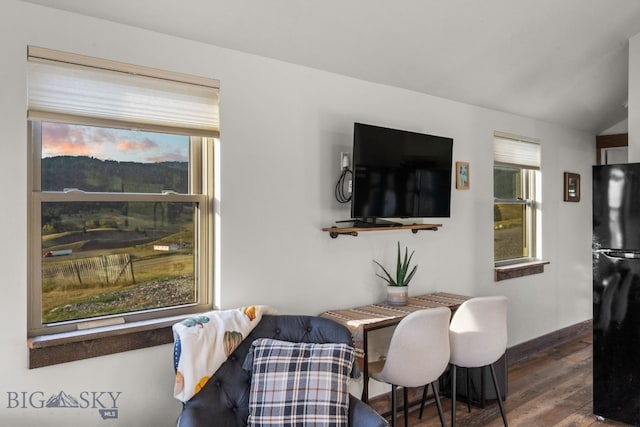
(334, 232)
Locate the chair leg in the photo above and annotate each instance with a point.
(394, 405)
(467, 385)
(424, 399)
(436, 394)
(453, 395)
(405, 407)
(498, 395)
(483, 399)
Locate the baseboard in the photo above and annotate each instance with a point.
(517, 353)
(526, 350)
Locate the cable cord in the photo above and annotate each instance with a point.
(342, 195)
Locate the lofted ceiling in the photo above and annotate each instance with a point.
(562, 61)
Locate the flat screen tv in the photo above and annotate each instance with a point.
(399, 174)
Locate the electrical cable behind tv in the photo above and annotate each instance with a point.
(342, 195)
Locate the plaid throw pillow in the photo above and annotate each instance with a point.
(298, 384)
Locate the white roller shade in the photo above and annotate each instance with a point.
(62, 90)
(516, 152)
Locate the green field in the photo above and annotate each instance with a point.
(82, 294)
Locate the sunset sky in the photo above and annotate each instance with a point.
(61, 139)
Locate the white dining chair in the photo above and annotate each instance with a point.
(418, 354)
(478, 338)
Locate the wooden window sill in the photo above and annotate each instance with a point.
(518, 270)
(47, 350)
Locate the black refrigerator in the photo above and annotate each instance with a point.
(616, 292)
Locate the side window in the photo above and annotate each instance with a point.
(516, 178)
(121, 189)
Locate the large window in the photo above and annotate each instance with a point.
(121, 177)
(516, 177)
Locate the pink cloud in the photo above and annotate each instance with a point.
(60, 139)
(55, 131)
(66, 148)
(145, 144)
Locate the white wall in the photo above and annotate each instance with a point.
(283, 127)
(620, 127)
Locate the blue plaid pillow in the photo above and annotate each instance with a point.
(298, 384)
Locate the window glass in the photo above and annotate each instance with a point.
(515, 219)
(507, 182)
(509, 231)
(115, 257)
(119, 222)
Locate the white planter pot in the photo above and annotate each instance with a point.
(397, 295)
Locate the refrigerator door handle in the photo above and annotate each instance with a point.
(618, 254)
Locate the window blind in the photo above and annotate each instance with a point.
(516, 152)
(74, 89)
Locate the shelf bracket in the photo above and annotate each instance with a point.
(415, 230)
(335, 234)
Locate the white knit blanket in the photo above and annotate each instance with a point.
(202, 343)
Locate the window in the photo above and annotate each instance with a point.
(121, 179)
(516, 220)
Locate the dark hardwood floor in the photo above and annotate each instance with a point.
(553, 388)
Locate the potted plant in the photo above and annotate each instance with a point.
(398, 285)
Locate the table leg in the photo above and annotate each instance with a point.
(365, 367)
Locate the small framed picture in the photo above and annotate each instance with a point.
(462, 175)
(571, 187)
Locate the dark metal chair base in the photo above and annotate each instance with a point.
(453, 394)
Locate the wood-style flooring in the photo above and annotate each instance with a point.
(553, 388)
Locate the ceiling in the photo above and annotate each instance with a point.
(562, 61)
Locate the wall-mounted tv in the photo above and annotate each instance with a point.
(399, 174)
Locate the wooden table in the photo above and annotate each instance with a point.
(361, 320)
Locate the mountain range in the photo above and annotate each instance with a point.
(95, 175)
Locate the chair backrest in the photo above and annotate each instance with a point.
(419, 349)
(224, 399)
(478, 331)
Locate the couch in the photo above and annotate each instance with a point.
(224, 399)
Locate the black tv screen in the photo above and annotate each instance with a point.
(400, 174)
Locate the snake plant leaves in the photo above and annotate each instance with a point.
(403, 275)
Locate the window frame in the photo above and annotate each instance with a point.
(530, 186)
(64, 341)
(201, 185)
(531, 207)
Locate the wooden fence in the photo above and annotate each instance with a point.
(102, 270)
